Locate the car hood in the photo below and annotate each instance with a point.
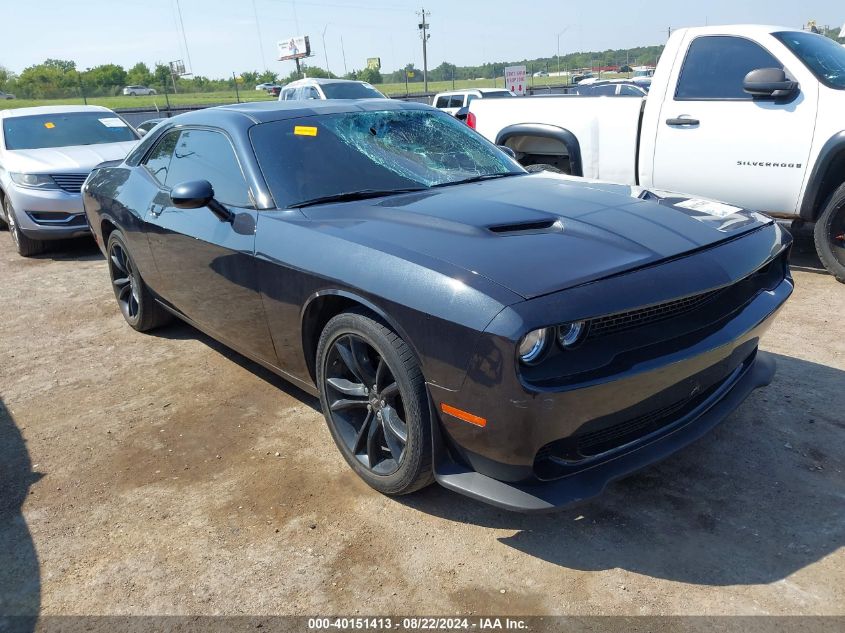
(540, 233)
(72, 159)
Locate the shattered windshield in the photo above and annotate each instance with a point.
(315, 157)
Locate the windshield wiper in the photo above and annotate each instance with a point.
(349, 196)
(479, 178)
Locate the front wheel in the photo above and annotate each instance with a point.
(374, 399)
(25, 246)
(829, 234)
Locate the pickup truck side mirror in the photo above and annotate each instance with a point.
(769, 83)
(195, 194)
(461, 115)
(507, 150)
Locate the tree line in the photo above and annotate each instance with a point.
(59, 78)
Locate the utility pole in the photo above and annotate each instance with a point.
(325, 51)
(343, 51)
(258, 30)
(423, 26)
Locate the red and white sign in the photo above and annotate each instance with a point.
(515, 80)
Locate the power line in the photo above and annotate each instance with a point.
(184, 37)
(260, 41)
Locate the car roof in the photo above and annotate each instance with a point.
(266, 111)
(308, 81)
(57, 109)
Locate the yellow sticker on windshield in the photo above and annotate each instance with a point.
(49, 125)
(304, 130)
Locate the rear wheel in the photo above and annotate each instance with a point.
(829, 234)
(374, 399)
(135, 300)
(25, 246)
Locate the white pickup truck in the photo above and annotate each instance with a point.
(750, 115)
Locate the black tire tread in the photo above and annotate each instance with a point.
(821, 234)
(423, 475)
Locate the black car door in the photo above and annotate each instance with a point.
(206, 265)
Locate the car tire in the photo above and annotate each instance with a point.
(368, 422)
(136, 302)
(25, 246)
(829, 234)
(133, 94)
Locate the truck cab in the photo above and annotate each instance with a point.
(750, 115)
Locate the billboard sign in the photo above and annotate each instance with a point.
(515, 80)
(294, 48)
(374, 63)
(177, 68)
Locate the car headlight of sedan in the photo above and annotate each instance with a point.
(568, 334)
(533, 344)
(34, 181)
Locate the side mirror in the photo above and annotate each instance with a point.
(461, 115)
(507, 150)
(196, 194)
(769, 82)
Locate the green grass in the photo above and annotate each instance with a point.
(196, 98)
(216, 98)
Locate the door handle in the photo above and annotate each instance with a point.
(682, 121)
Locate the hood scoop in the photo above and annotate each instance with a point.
(529, 227)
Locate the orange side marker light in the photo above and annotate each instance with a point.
(463, 415)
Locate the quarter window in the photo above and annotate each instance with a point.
(158, 162)
(457, 101)
(715, 67)
(207, 155)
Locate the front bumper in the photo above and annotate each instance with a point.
(591, 481)
(48, 214)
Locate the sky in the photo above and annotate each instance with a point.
(223, 36)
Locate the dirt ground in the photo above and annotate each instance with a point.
(164, 474)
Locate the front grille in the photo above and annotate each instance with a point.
(72, 183)
(615, 323)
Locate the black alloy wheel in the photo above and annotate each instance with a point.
(135, 300)
(124, 279)
(375, 403)
(365, 404)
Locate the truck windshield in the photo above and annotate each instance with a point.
(824, 57)
(331, 155)
(65, 129)
(351, 90)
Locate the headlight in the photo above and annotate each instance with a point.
(532, 345)
(34, 181)
(570, 333)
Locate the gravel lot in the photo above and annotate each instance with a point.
(165, 474)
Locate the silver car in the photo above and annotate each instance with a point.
(46, 153)
(134, 91)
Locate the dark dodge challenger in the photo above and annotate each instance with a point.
(520, 338)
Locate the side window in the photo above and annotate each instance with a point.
(311, 93)
(716, 65)
(605, 91)
(442, 102)
(456, 101)
(629, 91)
(207, 155)
(470, 98)
(158, 161)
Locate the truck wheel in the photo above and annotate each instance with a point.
(532, 169)
(829, 234)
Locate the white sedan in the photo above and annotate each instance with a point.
(134, 91)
